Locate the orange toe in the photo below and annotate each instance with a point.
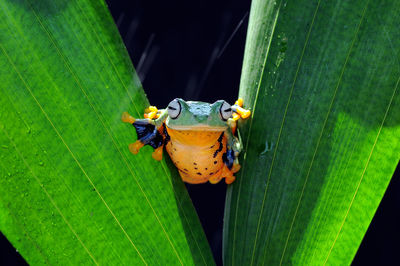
(127, 118)
(157, 153)
(230, 179)
(239, 102)
(243, 112)
(135, 147)
(235, 168)
(228, 174)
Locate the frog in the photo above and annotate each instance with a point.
(200, 138)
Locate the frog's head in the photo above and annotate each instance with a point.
(192, 115)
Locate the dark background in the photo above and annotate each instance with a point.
(194, 50)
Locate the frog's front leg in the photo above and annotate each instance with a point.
(149, 132)
(234, 145)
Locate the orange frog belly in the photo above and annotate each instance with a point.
(197, 154)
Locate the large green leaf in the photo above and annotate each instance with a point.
(71, 193)
(322, 79)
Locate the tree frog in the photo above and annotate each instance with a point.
(199, 137)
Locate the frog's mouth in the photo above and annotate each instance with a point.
(199, 127)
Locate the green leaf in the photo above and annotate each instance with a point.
(71, 192)
(322, 79)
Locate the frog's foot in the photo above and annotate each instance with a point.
(235, 167)
(228, 174)
(239, 112)
(151, 113)
(231, 165)
(229, 180)
(135, 147)
(147, 134)
(157, 153)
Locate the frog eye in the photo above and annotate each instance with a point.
(174, 109)
(225, 111)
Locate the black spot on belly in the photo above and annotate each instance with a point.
(195, 168)
(195, 163)
(211, 173)
(215, 162)
(185, 170)
(199, 173)
(206, 168)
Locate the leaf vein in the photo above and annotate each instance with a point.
(365, 168)
(281, 128)
(73, 156)
(47, 194)
(108, 132)
(320, 136)
(250, 126)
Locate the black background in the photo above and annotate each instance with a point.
(182, 49)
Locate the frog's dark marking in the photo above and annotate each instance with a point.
(215, 162)
(148, 133)
(186, 170)
(220, 145)
(211, 173)
(228, 158)
(206, 168)
(212, 146)
(195, 168)
(174, 149)
(167, 137)
(220, 137)
(195, 163)
(199, 173)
